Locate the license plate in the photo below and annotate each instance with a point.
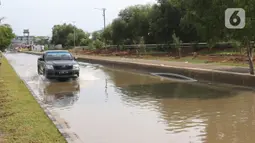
(63, 72)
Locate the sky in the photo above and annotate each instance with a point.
(39, 16)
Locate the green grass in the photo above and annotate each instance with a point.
(21, 118)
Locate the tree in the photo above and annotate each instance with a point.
(137, 22)
(190, 20)
(85, 41)
(98, 44)
(40, 40)
(119, 27)
(107, 35)
(80, 36)
(247, 35)
(60, 34)
(6, 36)
(165, 18)
(177, 44)
(96, 35)
(155, 23)
(64, 34)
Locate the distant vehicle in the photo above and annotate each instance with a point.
(58, 64)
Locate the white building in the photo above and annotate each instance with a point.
(19, 41)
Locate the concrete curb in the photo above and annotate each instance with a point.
(60, 124)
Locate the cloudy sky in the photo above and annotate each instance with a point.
(40, 15)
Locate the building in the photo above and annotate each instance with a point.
(20, 41)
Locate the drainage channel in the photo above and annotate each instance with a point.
(175, 77)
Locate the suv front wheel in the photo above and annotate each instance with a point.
(38, 71)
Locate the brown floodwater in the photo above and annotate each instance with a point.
(118, 106)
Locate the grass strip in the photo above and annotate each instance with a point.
(22, 120)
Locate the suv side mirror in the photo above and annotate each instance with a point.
(40, 59)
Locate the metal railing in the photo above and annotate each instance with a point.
(159, 46)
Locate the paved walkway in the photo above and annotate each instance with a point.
(174, 63)
(212, 66)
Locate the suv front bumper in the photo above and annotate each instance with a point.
(62, 73)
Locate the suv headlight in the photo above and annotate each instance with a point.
(49, 67)
(76, 67)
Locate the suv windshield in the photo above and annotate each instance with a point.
(58, 56)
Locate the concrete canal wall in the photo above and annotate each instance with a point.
(210, 75)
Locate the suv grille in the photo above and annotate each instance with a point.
(63, 67)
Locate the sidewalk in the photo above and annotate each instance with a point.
(209, 66)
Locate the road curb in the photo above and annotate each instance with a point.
(60, 124)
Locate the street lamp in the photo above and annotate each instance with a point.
(1, 18)
(102, 9)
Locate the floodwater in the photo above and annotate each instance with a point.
(117, 106)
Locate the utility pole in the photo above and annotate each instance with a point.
(74, 34)
(103, 9)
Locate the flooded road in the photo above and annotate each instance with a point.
(117, 106)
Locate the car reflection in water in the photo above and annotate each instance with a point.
(60, 94)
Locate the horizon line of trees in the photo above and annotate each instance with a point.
(190, 21)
